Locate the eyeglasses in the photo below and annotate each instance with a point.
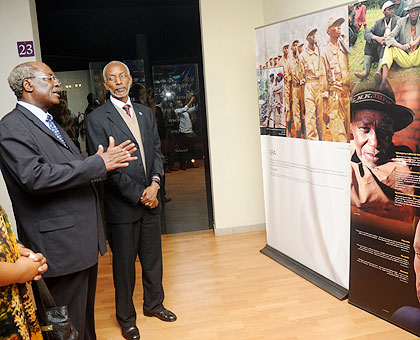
(52, 78)
(122, 77)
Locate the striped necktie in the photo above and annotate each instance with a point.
(126, 108)
(54, 129)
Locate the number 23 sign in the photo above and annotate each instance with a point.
(25, 48)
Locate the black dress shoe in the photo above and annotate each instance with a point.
(164, 315)
(130, 333)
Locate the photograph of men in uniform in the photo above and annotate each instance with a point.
(337, 86)
(313, 75)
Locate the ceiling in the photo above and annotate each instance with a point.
(74, 33)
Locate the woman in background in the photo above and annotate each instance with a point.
(18, 265)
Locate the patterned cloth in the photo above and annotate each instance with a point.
(54, 129)
(126, 108)
(17, 315)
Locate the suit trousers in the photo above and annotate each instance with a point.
(141, 238)
(77, 291)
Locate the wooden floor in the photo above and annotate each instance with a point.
(223, 288)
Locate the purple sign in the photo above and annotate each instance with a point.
(25, 49)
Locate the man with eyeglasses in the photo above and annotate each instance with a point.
(51, 188)
(130, 197)
(402, 43)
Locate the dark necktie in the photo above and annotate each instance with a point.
(126, 108)
(54, 129)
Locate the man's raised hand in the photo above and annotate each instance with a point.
(117, 156)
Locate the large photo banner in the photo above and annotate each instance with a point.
(304, 100)
(385, 163)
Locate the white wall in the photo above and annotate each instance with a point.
(278, 10)
(228, 40)
(17, 23)
(232, 112)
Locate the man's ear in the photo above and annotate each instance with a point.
(106, 86)
(27, 85)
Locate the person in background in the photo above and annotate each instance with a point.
(336, 88)
(402, 44)
(18, 265)
(313, 75)
(160, 122)
(376, 39)
(186, 139)
(62, 115)
(360, 17)
(400, 8)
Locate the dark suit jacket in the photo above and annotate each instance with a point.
(51, 190)
(124, 186)
(378, 29)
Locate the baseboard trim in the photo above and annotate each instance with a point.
(239, 230)
(318, 280)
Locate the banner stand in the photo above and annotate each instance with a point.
(382, 317)
(308, 274)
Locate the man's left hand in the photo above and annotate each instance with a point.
(149, 196)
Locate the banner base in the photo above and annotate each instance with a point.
(318, 280)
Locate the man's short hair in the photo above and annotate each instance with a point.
(18, 75)
(114, 62)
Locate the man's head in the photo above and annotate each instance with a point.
(413, 9)
(414, 15)
(295, 44)
(286, 50)
(311, 36)
(334, 27)
(388, 9)
(374, 119)
(300, 47)
(35, 83)
(179, 103)
(279, 77)
(117, 80)
(271, 77)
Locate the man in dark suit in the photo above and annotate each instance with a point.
(376, 39)
(130, 198)
(51, 188)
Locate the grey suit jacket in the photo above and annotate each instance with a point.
(51, 190)
(402, 32)
(124, 186)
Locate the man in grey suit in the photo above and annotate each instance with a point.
(402, 44)
(51, 188)
(130, 198)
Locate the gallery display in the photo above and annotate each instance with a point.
(341, 154)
